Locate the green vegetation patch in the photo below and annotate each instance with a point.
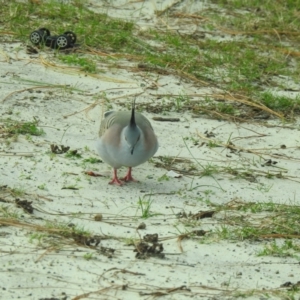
(277, 225)
(243, 48)
(9, 128)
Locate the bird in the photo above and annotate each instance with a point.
(126, 138)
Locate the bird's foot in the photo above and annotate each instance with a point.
(128, 177)
(115, 179)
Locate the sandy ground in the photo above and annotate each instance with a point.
(69, 105)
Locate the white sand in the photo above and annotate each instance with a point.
(31, 271)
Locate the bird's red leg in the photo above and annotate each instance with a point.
(115, 179)
(128, 176)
